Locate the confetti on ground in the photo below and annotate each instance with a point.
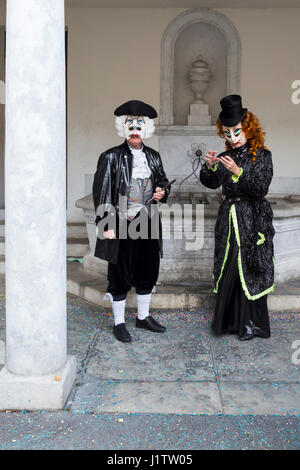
(184, 389)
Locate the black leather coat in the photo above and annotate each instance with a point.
(112, 178)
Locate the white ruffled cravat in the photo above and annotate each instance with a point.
(140, 167)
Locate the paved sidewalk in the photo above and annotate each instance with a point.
(184, 389)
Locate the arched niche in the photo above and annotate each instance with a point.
(201, 22)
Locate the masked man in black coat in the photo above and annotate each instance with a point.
(128, 184)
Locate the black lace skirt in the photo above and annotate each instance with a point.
(234, 313)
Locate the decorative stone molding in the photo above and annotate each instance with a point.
(186, 130)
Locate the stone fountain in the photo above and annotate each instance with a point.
(184, 262)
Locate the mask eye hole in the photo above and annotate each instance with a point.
(129, 121)
(236, 132)
(140, 121)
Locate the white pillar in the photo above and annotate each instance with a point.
(38, 374)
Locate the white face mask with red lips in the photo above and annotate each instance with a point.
(134, 125)
(142, 126)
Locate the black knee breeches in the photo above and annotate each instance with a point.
(138, 266)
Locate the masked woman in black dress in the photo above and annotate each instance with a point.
(244, 254)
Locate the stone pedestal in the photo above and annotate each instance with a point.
(199, 115)
(37, 373)
(37, 392)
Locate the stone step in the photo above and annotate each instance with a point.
(76, 230)
(91, 286)
(77, 247)
(2, 264)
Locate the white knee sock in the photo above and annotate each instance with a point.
(143, 304)
(118, 308)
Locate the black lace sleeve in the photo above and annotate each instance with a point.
(211, 177)
(256, 180)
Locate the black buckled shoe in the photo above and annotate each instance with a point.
(150, 324)
(121, 333)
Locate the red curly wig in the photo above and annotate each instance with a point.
(253, 131)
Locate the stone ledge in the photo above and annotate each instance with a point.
(91, 286)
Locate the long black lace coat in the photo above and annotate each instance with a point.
(239, 215)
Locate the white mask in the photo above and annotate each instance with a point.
(134, 125)
(233, 135)
(142, 126)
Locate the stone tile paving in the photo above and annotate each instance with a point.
(72, 431)
(187, 369)
(184, 389)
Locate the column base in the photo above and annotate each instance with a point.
(43, 392)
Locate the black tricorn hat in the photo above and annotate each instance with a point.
(136, 108)
(232, 111)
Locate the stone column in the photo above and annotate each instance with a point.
(38, 373)
(2, 120)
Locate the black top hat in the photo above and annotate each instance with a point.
(232, 111)
(136, 108)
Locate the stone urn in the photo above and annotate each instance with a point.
(199, 77)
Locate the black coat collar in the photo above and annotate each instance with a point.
(244, 148)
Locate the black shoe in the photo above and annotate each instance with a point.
(248, 333)
(121, 333)
(246, 336)
(150, 324)
(259, 332)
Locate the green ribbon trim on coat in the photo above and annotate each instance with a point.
(262, 239)
(235, 178)
(233, 217)
(214, 167)
(226, 253)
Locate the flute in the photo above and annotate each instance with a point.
(166, 187)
